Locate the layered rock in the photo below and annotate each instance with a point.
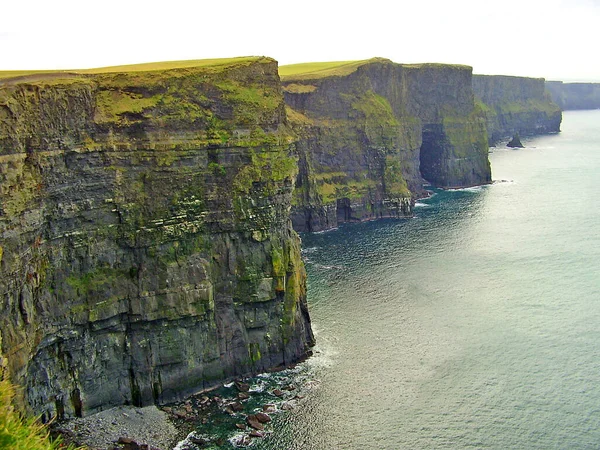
(574, 95)
(372, 131)
(146, 248)
(516, 105)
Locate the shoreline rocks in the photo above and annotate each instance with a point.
(122, 427)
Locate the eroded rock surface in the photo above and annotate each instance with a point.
(146, 250)
(516, 105)
(370, 135)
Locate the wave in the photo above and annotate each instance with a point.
(496, 182)
(468, 189)
(321, 266)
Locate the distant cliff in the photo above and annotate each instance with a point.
(372, 131)
(146, 249)
(516, 105)
(575, 95)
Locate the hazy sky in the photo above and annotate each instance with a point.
(555, 39)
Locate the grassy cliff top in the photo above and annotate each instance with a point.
(507, 77)
(316, 70)
(209, 64)
(437, 66)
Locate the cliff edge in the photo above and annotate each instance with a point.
(516, 105)
(146, 248)
(371, 132)
(569, 96)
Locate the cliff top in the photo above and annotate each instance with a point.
(319, 70)
(15, 76)
(506, 77)
(316, 70)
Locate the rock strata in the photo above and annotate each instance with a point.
(146, 250)
(516, 105)
(372, 131)
(569, 96)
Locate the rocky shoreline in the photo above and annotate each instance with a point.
(122, 427)
(232, 415)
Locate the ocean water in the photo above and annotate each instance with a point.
(475, 324)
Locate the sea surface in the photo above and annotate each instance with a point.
(475, 324)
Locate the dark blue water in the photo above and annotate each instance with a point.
(474, 325)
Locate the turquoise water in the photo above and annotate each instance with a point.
(474, 325)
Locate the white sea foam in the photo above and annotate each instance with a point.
(468, 189)
(325, 231)
(187, 443)
(497, 182)
(321, 266)
(239, 440)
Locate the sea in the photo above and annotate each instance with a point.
(474, 324)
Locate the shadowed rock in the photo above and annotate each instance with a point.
(515, 142)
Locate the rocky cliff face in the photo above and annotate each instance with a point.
(372, 131)
(574, 95)
(516, 105)
(146, 249)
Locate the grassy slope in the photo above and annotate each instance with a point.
(18, 433)
(146, 67)
(315, 70)
(318, 70)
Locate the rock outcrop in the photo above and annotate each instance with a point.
(370, 133)
(574, 95)
(516, 105)
(515, 142)
(146, 249)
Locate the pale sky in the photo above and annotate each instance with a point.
(554, 39)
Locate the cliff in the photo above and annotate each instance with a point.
(146, 248)
(574, 95)
(370, 133)
(516, 105)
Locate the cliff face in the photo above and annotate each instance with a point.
(146, 247)
(372, 131)
(575, 95)
(516, 105)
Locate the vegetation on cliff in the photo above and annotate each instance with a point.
(145, 221)
(317, 70)
(361, 126)
(516, 105)
(575, 95)
(18, 432)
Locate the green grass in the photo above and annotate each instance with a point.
(22, 73)
(213, 64)
(170, 65)
(436, 66)
(17, 432)
(316, 70)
